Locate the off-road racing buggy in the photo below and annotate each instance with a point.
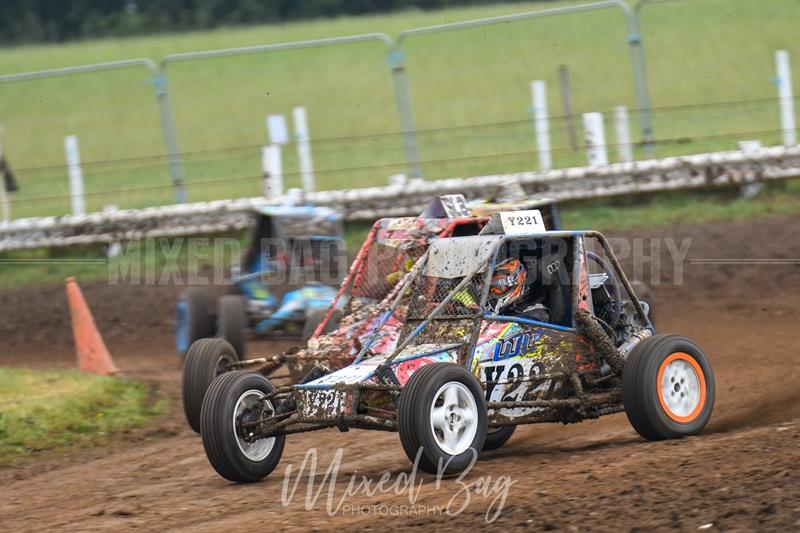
(388, 253)
(285, 281)
(515, 326)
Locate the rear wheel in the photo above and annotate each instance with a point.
(667, 388)
(232, 321)
(442, 417)
(205, 360)
(314, 318)
(192, 318)
(233, 400)
(496, 437)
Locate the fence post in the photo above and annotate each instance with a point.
(277, 131)
(303, 139)
(633, 22)
(4, 203)
(402, 96)
(539, 91)
(785, 97)
(170, 138)
(75, 174)
(624, 150)
(114, 248)
(595, 136)
(4, 200)
(273, 170)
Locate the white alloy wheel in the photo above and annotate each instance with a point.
(454, 418)
(256, 450)
(680, 388)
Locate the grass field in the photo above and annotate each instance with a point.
(470, 91)
(53, 410)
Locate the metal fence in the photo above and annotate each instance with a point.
(348, 157)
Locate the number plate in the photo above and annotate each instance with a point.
(322, 403)
(522, 222)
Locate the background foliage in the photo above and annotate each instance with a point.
(60, 20)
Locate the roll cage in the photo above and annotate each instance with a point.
(578, 278)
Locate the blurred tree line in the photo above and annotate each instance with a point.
(61, 20)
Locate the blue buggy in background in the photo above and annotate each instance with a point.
(287, 279)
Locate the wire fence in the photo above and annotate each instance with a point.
(234, 170)
(470, 94)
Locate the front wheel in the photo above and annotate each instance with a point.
(441, 417)
(667, 388)
(233, 401)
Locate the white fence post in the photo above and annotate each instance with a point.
(4, 200)
(595, 136)
(539, 90)
(624, 149)
(6, 206)
(114, 248)
(75, 174)
(273, 170)
(785, 97)
(303, 139)
(276, 129)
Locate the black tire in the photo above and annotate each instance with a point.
(314, 318)
(414, 417)
(199, 323)
(205, 360)
(220, 439)
(642, 395)
(496, 437)
(232, 321)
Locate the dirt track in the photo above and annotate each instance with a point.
(741, 475)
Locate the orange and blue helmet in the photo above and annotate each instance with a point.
(508, 282)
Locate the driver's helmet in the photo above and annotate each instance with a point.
(508, 282)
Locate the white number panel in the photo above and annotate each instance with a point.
(522, 222)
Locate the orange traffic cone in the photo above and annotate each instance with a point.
(93, 355)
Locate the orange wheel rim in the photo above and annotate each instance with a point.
(681, 387)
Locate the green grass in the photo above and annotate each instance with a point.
(668, 209)
(698, 51)
(58, 409)
(641, 212)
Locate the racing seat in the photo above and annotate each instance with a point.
(547, 292)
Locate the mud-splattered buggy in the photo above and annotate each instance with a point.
(466, 372)
(284, 283)
(388, 253)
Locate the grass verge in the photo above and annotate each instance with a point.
(59, 409)
(668, 209)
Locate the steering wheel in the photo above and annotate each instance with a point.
(612, 284)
